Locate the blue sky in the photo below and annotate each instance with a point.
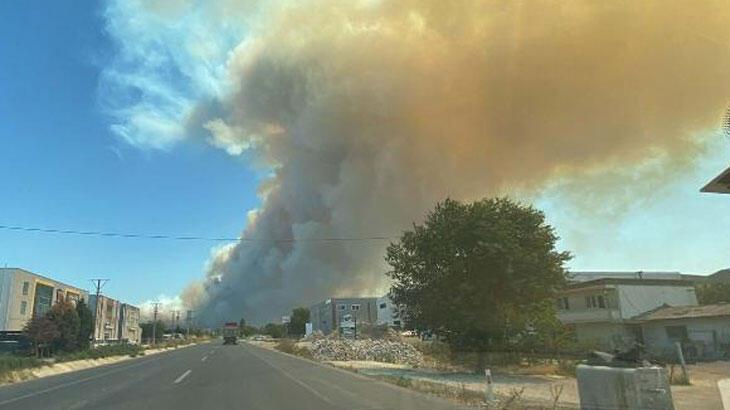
(62, 167)
(80, 89)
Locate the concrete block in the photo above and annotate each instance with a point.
(609, 388)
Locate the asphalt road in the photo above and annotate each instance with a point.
(213, 376)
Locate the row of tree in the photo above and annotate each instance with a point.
(66, 327)
(295, 328)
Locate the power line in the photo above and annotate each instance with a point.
(185, 238)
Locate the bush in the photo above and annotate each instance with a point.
(9, 363)
(101, 352)
(288, 346)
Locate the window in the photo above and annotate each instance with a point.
(595, 302)
(23, 306)
(341, 307)
(383, 305)
(355, 307)
(26, 285)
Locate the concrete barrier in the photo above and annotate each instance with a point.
(608, 388)
(724, 387)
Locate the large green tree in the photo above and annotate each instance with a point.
(483, 275)
(298, 320)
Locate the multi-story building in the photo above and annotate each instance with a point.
(327, 315)
(24, 294)
(129, 329)
(389, 313)
(602, 305)
(106, 313)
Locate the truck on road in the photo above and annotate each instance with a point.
(230, 333)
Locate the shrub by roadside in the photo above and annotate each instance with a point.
(289, 346)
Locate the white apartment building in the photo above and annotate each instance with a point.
(25, 294)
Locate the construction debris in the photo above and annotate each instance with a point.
(366, 349)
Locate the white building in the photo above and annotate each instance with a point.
(129, 329)
(106, 318)
(389, 313)
(24, 294)
(602, 305)
(702, 331)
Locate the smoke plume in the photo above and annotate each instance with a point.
(368, 112)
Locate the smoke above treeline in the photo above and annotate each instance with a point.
(366, 113)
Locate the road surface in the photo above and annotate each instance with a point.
(213, 376)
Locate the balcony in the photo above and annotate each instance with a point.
(589, 315)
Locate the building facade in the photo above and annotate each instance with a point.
(389, 314)
(106, 313)
(129, 329)
(327, 315)
(702, 331)
(602, 307)
(25, 294)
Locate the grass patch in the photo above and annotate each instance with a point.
(12, 363)
(459, 394)
(289, 346)
(101, 352)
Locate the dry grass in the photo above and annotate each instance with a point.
(289, 346)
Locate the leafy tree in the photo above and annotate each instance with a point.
(64, 315)
(479, 274)
(274, 330)
(86, 324)
(712, 292)
(298, 320)
(41, 331)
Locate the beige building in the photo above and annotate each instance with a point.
(24, 294)
(106, 318)
(129, 329)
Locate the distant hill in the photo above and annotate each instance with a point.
(721, 276)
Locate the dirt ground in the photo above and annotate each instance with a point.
(702, 394)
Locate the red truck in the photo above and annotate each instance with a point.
(230, 333)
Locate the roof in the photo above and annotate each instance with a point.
(720, 184)
(666, 312)
(629, 281)
(584, 276)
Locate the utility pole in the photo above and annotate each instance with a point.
(189, 319)
(98, 284)
(177, 319)
(155, 305)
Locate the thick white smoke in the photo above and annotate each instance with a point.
(369, 112)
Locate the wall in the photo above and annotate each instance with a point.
(708, 334)
(607, 336)
(579, 312)
(637, 299)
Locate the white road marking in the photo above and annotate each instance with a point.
(724, 386)
(204, 358)
(183, 376)
(292, 378)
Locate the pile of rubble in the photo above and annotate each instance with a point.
(366, 349)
